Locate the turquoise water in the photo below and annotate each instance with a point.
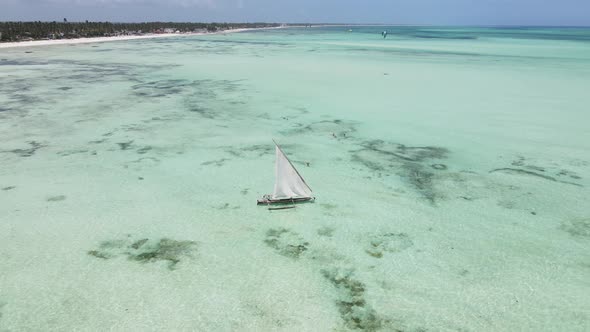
(450, 167)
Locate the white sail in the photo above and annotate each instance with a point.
(288, 182)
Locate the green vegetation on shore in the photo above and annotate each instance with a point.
(19, 31)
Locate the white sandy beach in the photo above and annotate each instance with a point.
(110, 39)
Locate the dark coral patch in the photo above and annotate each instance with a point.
(439, 167)
(421, 179)
(2, 304)
(257, 150)
(137, 244)
(286, 242)
(203, 111)
(354, 310)
(125, 145)
(336, 128)
(577, 227)
(226, 206)
(146, 251)
(409, 162)
(144, 150)
(98, 254)
(218, 162)
(388, 242)
(166, 250)
(34, 146)
(326, 231)
(524, 167)
(198, 88)
(532, 174)
(403, 152)
(353, 307)
(71, 152)
(56, 198)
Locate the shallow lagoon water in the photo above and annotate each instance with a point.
(453, 197)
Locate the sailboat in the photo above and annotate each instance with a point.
(290, 188)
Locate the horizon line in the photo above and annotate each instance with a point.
(318, 23)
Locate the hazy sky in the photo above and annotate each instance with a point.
(449, 12)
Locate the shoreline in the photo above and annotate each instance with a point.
(86, 40)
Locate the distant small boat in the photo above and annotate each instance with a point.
(290, 188)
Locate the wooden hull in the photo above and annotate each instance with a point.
(269, 201)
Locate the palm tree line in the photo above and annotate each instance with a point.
(15, 31)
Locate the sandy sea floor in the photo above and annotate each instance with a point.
(453, 197)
